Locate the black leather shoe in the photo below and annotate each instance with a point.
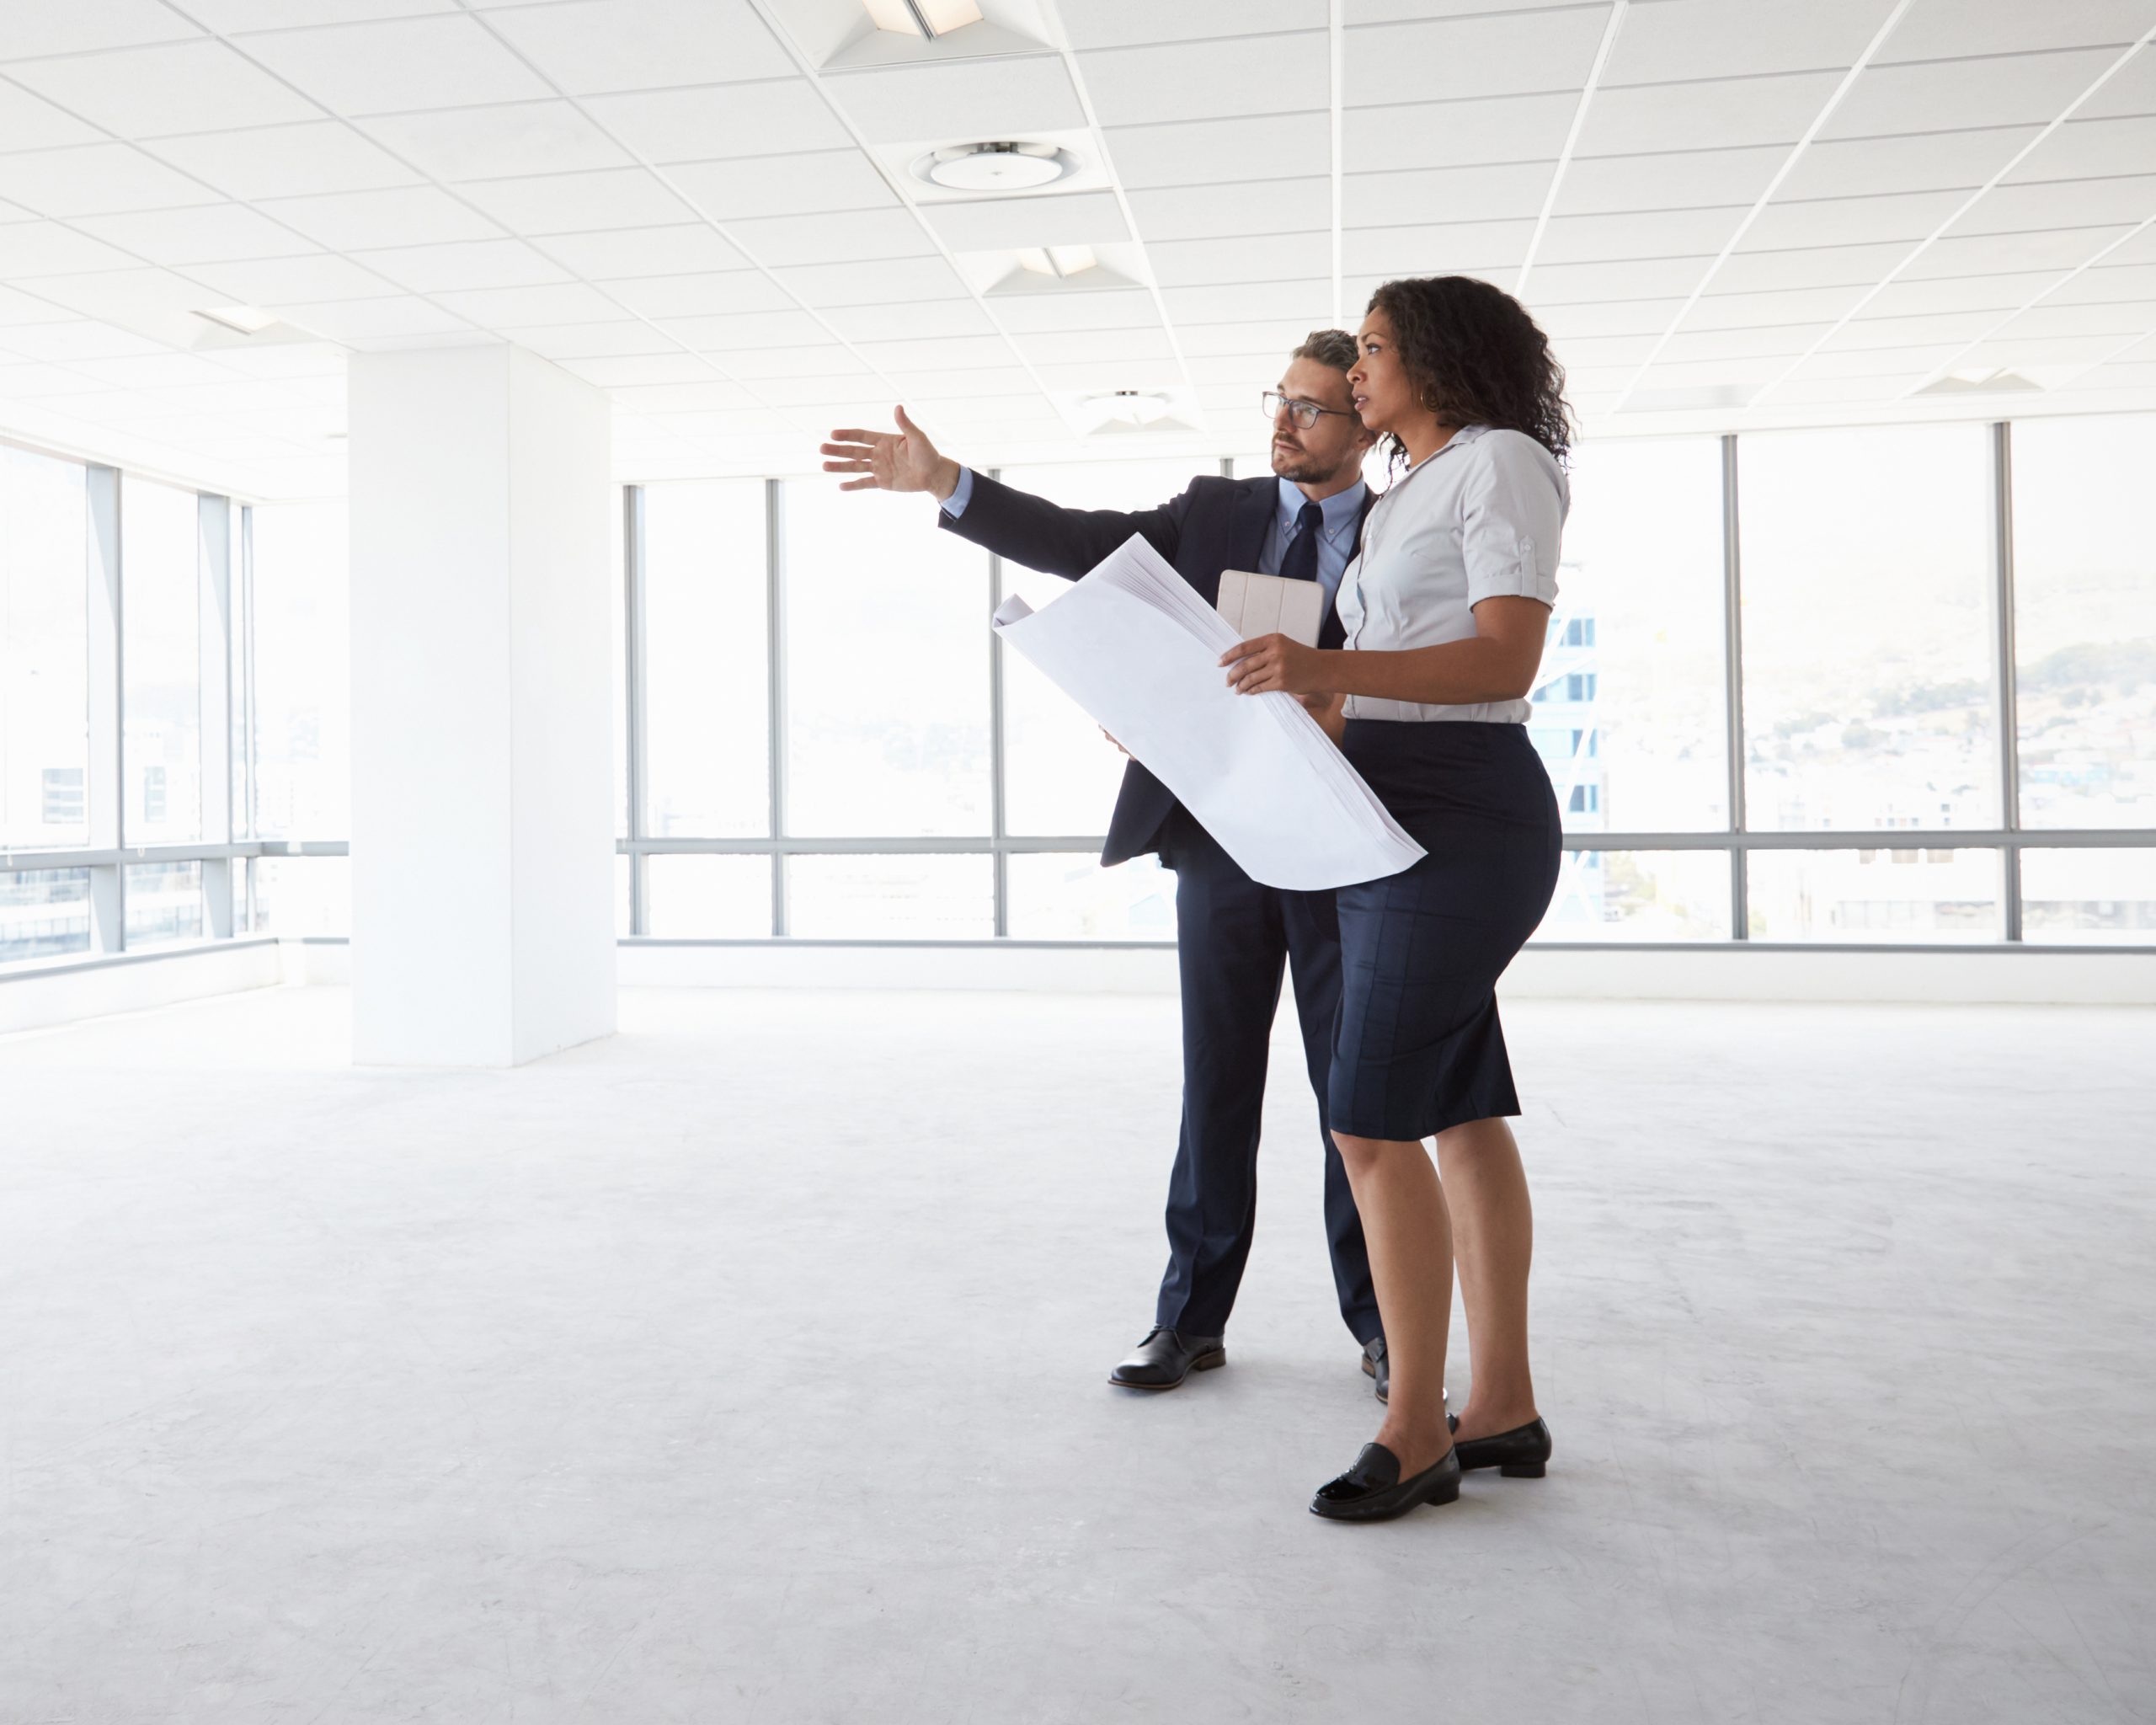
(1372, 1490)
(1165, 1358)
(1522, 1453)
(1376, 1365)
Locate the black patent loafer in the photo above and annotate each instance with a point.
(1372, 1490)
(1376, 1365)
(1522, 1453)
(1165, 1358)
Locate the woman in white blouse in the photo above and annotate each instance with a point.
(1446, 611)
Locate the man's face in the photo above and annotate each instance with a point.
(1317, 454)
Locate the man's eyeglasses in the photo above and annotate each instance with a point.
(1304, 414)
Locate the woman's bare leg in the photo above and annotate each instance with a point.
(1409, 1233)
(1493, 1227)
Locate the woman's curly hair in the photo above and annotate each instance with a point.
(1476, 358)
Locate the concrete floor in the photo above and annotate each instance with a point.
(748, 1367)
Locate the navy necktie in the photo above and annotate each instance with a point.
(1299, 562)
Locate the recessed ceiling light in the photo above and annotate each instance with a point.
(995, 167)
(926, 19)
(246, 319)
(1059, 261)
(1127, 407)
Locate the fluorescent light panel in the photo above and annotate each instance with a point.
(925, 19)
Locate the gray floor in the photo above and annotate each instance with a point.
(748, 1368)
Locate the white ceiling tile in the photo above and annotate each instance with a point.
(2139, 247)
(777, 330)
(234, 16)
(1084, 345)
(373, 319)
(195, 86)
(1498, 55)
(951, 353)
(1998, 253)
(2010, 208)
(1609, 318)
(2040, 323)
(1866, 331)
(1719, 115)
(1678, 40)
(1210, 80)
(1779, 340)
(1829, 221)
(1304, 301)
(71, 343)
(17, 306)
(29, 122)
(2108, 281)
(596, 45)
(47, 248)
(1914, 163)
(1771, 305)
(1490, 192)
(1941, 95)
(316, 157)
(24, 380)
(716, 121)
(208, 235)
(2091, 149)
(517, 138)
(1908, 296)
(152, 370)
(2020, 352)
(1214, 152)
(590, 341)
(397, 66)
(1687, 179)
(463, 263)
(2014, 27)
(87, 179)
(1458, 134)
(628, 372)
(364, 220)
(977, 382)
(2130, 91)
(957, 98)
(284, 282)
(1124, 308)
(894, 280)
(863, 236)
(700, 295)
(776, 359)
(693, 247)
(1001, 224)
(700, 390)
(1651, 233)
(936, 318)
(519, 308)
(1119, 24)
(36, 27)
(1256, 371)
(1471, 247)
(1280, 257)
(781, 185)
(1225, 211)
(1809, 266)
(1638, 278)
(1881, 362)
(577, 203)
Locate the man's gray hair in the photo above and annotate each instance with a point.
(1329, 347)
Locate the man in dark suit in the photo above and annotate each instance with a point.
(1235, 936)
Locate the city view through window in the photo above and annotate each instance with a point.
(1931, 717)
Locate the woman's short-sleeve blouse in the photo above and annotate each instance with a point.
(1479, 519)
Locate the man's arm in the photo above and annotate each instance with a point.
(1015, 524)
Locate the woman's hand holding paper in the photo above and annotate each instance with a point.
(1270, 662)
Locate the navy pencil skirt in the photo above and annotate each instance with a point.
(1417, 1048)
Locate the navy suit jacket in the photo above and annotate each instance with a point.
(1216, 524)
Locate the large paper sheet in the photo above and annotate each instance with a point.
(1134, 646)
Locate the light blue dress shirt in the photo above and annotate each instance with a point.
(1336, 539)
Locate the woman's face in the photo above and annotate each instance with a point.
(1384, 394)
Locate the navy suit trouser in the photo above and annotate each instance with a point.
(1234, 939)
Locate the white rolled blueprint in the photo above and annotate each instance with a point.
(1134, 645)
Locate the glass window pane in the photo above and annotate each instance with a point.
(295, 896)
(44, 913)
(1067, 895)
(162, 665)
(1896, 896)
(1868, 653)
(1649, 896)
(1631, 716)
(886, 632)
(706, 655)
(164, 903)
(891, 897)
(302, 672)
(622, 906)
(617, 612)
(243, 696)
(2094, 897)
(2084, 621)
(45, 750)
(708, 897)
(1060, 774)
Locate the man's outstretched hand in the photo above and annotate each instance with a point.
(900, 460)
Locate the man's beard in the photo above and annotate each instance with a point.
(1298, 465)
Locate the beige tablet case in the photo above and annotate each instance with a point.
(1267, 605)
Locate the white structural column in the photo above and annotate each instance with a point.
(482, 901)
